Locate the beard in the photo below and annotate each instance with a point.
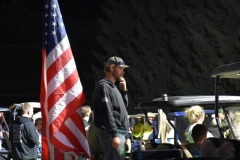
(117, 76)
(117, 79)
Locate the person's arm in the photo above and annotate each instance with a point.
(123, 90)
(33, 135)
(107, 110)
(129, 144)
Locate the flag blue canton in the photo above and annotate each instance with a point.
(54, 30)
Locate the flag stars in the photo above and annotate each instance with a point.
(61, 24)
(46, 24)
(54, 24)
(46, 33)
(54, 15)
(54, 33)
(46, 6)
(54, 6)
(46, 15)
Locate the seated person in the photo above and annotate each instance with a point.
(236, 125)
(195, 115)
(143, 129)
(213, 129)
(199, 135)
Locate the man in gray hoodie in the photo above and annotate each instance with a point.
(110, 115)
(23, 135)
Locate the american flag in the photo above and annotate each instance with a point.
(61, 92)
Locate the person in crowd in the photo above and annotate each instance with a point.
(235, 126)
(94, 142)
(95, 146)
(199, 135)
(38, 127)
(23, 135)
(143, 129)
(86, 114)
(213, 129)
(155, 128)
(195, 115)
(110, 114)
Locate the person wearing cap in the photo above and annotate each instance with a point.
(213, 129)
(110, 114)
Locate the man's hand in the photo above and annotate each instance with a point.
(116, 142)
(122, 84)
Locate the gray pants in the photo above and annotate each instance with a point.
(110, 152)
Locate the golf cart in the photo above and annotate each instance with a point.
(226, 148)
(173, 108)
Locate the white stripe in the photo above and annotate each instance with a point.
(78, 134)
(70, 95)
(58, 51)
(63, 139)
(60, 77)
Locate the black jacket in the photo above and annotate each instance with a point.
(24, 139)
(110, 107)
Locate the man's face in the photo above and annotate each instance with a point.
(150, 119)
(31, 112)
(39, 123)
(221, 116)
(118, 72)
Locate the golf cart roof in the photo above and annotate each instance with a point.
(227, 71)
(5, 109)
(177, 103)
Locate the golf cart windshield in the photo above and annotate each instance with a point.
(233, 113)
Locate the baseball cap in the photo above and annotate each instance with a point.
(220, 110)
(117, 61)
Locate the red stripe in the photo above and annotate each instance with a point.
(62, 89)
(68, 110)
(58, 155)
(58, 64)
(80, 123)
(75, 118)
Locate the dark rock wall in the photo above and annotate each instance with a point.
(172, 46)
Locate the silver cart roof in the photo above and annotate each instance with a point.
(227, 71)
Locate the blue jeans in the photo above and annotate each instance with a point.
(110, 152)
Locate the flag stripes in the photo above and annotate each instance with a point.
(61, 92)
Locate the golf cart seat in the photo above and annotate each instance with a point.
(230, 150)
(211, 147)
